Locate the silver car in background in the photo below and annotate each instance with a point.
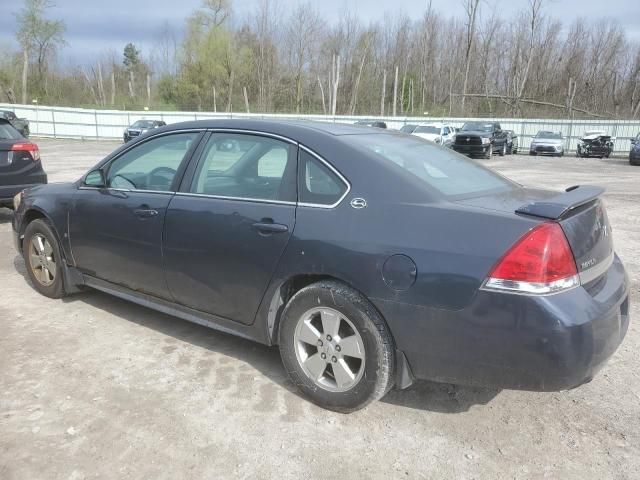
(547, 143)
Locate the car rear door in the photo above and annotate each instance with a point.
(116, 231)
(227, 227)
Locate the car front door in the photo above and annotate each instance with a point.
(228, 226)
(116, 220)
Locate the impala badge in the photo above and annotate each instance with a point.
(358, 203)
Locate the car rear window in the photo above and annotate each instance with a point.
(427, 129)
(442, 169)
(550, 135)
(7, 132)
(143, 124)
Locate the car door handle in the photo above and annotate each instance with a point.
(270, 227)
(145, 212)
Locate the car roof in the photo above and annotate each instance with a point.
(281, 127)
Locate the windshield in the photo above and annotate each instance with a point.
(408, 128)
(442, 169)
(552, 135)
(427, 129)
(477, 127)
(7, 132)
(143, 124)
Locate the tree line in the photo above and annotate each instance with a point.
(476, 63)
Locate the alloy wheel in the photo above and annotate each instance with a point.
(42, 260)
(329, 349)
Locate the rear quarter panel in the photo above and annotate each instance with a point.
(452, 247)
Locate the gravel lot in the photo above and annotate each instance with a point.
(93, 386)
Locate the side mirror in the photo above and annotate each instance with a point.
(634, 141)
(95, 179)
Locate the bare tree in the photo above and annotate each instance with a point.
(471, 11)
(39, 37)
(304, 25)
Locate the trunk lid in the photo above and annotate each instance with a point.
(14, 165)
(579, 211)
(5, 148)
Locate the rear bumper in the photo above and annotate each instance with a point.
(7, 192)
(472, 150)
(514, 341)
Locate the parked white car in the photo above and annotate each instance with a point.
(440, 133)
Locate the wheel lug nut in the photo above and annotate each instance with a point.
(323, 355)
(334, 359)
(329, 337)
(338, 348)
(319, 343)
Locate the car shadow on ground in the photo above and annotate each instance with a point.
(422, 395)
(6, 215)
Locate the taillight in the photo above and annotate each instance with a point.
(540, 263)
(29, 147)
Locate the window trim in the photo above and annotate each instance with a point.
(241, 199)
(195, 154)
(189, 177)
(110, 159)
(335, 171)
(300, 146)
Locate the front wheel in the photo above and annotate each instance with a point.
(336, 347)
(489, 153)
(43, 259)
(503, 150)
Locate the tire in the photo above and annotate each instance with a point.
(503, 150)
(532, 154)
(515, 152)
(319, 306)
(489, 153)
(40, 248)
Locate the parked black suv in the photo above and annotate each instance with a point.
(20, 124)
(20, 165)
(140, 127)
(481, 139)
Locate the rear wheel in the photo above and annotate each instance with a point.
(43, 260)
(335, 347)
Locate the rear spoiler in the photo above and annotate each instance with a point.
(559, 206)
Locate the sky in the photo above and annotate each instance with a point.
(94, 27)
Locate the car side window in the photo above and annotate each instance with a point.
(317, 183)
(246, 166)
(151, 165)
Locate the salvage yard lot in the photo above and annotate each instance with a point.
(93, 386)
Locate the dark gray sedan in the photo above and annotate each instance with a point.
(371, 258)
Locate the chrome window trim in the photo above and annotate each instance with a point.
(128, 190)
(590, 274)
(253, 132)
(335, 171)
(130, 147)
(221, 197)
(241, 199)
